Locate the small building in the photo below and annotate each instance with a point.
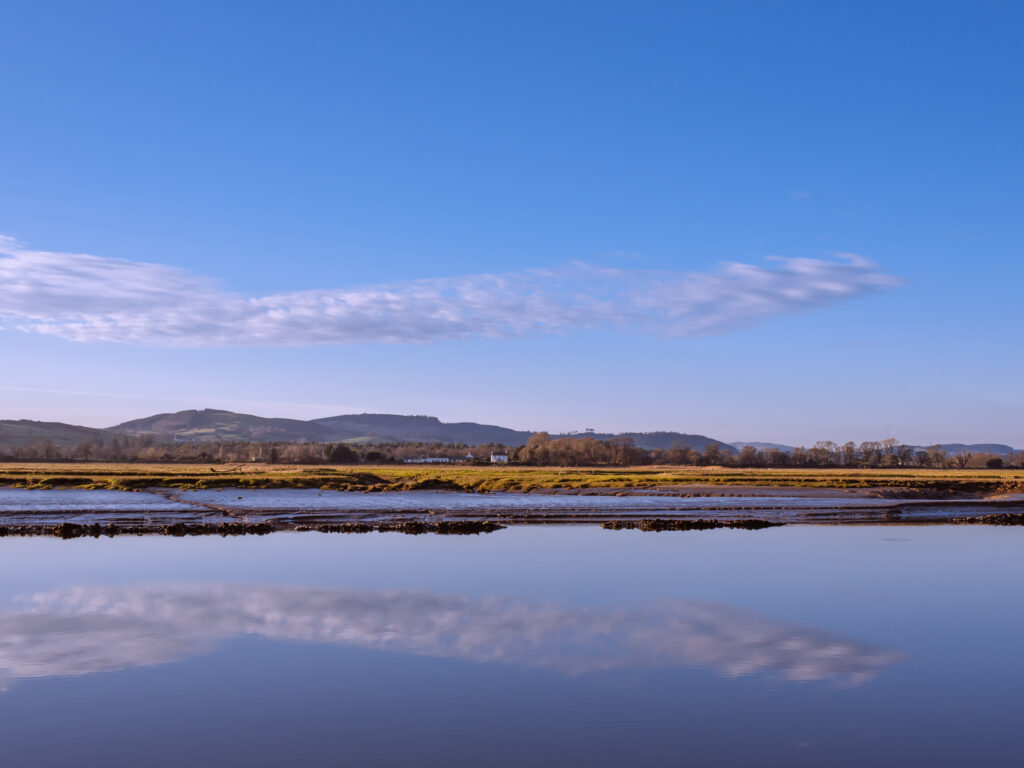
(499, 458)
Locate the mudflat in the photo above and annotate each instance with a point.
(70, 512)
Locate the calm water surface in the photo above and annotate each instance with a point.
(301, 498)
(34, 500)
(18, 499)
(530, 646)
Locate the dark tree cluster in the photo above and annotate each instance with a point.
(540, 450)
(149, 449)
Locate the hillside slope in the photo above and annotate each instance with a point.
(996, 448)
(664, 440)
(763, 446)
(381, 427)
(23, 431)
(210, 424)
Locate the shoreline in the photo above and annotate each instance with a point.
(502, 497)
(165, 511)
(67, 530)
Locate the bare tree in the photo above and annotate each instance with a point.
(712, 454)
(748, 456)
(936, 456)
(848, 453)
(962, 459)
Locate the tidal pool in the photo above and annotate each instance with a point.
(308, 499)
(34, 511)
(73, 500)
(800, 645)
(268, 499)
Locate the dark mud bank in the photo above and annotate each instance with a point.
(77, 530)
(444, 527)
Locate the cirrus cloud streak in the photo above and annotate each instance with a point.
(87, 298)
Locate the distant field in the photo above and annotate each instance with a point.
(394, 478)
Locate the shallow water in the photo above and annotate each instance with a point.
(32, 500)
(543, 646)
(12, 499)
(311, 508)
(295, 498)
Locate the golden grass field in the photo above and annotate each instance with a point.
(128, 476)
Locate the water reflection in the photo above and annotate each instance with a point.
(94, 629)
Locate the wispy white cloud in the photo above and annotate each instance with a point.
(95, 629)
(88, 298)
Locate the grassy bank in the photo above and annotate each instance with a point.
(910, 482)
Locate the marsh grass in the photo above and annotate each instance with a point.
(131, 477)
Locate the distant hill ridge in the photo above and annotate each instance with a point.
(950, 448)
(22, 431)
(211, 424)
(385, 426)
(763, 446)
(998, 448)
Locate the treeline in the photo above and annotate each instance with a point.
(540, 450)
(885, 454)
(148, 448)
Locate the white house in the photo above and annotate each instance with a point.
(499, 458)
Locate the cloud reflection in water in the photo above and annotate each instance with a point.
(94, 629)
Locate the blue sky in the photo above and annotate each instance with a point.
(177, 177)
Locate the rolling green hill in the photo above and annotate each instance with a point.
(210, 424)
(23, 431)
(381, 427)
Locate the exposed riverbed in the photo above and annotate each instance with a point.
(25, 511)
